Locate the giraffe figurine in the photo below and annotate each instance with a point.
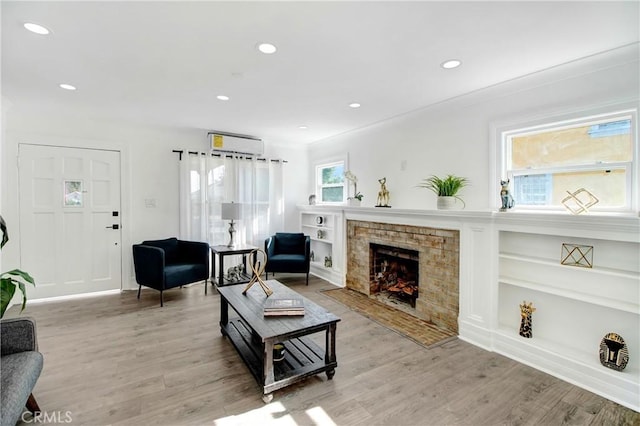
(526, 309)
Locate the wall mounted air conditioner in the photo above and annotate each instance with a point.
(237, 144)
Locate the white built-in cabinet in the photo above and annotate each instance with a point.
(575, 306)
(324, 226)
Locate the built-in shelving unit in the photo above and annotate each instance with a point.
(576, 306)
(324, 227)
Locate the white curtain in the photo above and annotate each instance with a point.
(207, 181)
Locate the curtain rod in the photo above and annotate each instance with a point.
(248, 157)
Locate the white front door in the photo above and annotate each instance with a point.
(69, 219)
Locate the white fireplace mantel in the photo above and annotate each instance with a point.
(508, 257)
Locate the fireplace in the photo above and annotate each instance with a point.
(428, 256)
(394, 273)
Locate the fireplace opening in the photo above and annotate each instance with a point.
(394, 273)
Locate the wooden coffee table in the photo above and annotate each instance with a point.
(254, 335)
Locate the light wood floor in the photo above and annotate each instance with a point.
(122, 361)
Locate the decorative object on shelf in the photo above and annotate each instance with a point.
(579, 201)
(235, 273)
(278, 352)
(446, 189)
(614, 353)
(348, 175)
(312, 199)
(319, 220)
(526, 309)
(577, 255)
(257, 267)
(505, 196)
(320, 234)
(312, 256)
(231, 211)
(383, 194)
(327, 262)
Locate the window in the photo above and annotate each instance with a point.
(546, 163)
(330, 183)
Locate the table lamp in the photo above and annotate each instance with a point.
(231, 211)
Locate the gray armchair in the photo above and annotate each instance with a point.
(288, 252)
(165, 264)
(20, 367)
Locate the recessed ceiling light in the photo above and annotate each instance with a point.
(35, 28)
(67, 86)
(354, 105)
(267, 48)
(302, 127)
(223, 97)
(451, 63)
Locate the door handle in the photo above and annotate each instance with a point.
(114, 226)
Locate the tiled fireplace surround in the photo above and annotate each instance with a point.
(439, 260)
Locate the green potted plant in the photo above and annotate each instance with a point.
(11, 279)
(446, 189)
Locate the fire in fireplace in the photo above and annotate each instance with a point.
(394, 273)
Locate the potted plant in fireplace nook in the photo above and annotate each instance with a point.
(357, 198)
(446, 189)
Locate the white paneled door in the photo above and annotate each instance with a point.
(70, 219)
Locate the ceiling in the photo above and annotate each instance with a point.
(164, 63)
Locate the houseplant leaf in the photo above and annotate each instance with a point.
(7, 290)
(11, 279)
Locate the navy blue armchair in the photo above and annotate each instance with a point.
(288, 252)
(165, 264)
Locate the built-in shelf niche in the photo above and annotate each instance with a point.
(575, 306)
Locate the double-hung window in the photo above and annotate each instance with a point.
(330, 188)
(547, 163)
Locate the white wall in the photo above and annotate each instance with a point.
(454, 136)
(149, 171)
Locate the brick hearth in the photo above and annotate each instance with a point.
(439, 251)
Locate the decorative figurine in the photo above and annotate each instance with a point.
(234, 272)
(383, 194)
(526, 309)
(312, 199)
(505, 195)
(614, 353)
(327, 262)
(312, 256)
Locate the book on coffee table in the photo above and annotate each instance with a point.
(283, 313)
(283, 306)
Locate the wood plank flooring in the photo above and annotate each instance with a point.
(116, 360)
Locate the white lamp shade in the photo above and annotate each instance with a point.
(231, 211)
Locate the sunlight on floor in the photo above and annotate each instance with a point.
(275, 413)
(269, 413)
(320, 417)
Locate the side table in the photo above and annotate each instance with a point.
(221, 252)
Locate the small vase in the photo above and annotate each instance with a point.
(354, 202)
(447, 203)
